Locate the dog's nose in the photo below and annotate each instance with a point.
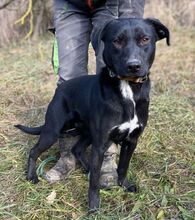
(134, 65)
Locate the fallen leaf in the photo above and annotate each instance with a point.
(50, 199)
(160, 215)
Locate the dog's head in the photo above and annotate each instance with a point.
(129, 45)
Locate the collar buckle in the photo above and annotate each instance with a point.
(142, 79)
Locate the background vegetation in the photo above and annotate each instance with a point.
(163, 164)
(31, 18)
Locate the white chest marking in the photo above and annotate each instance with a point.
(126, 90)
(131, 125)
(127, 93)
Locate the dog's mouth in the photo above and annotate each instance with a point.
(134, 79)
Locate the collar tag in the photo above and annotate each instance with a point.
(142, 79)
(112, 75)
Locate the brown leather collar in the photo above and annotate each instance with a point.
(133, 79)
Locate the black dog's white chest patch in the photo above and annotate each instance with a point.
(132, 123)
(127, 93)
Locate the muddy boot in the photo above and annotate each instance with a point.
(65, 164)
(109, 176)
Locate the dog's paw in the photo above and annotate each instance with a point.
(94, 200)
(128, 186)
(131, 188)
(34, 179)
(117, 135)
(93, 206)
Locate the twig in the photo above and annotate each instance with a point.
(26, 14)
(29, 12)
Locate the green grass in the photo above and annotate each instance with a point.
(162, 166)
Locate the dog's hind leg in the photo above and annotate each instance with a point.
(49, 135)
(46, 140)
(55, 120)
(79, 151)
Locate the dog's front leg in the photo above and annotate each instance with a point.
(97, 156)
(127, 149)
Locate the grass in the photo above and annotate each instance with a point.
(162, 166)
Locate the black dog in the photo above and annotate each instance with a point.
(109, 107)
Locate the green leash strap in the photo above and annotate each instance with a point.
(55, 58)
(40, 169)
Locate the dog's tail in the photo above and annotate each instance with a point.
(28, 130)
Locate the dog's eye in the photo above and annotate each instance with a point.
(119, 42)
(144, 40)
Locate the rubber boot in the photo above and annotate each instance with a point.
(67, 162)
(109, 176)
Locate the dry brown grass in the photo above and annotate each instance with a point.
(174, 13)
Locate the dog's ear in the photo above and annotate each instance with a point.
(99, 35)
(161, 30)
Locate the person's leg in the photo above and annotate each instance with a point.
(101, 16)
(73, 29)
(131, 8)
